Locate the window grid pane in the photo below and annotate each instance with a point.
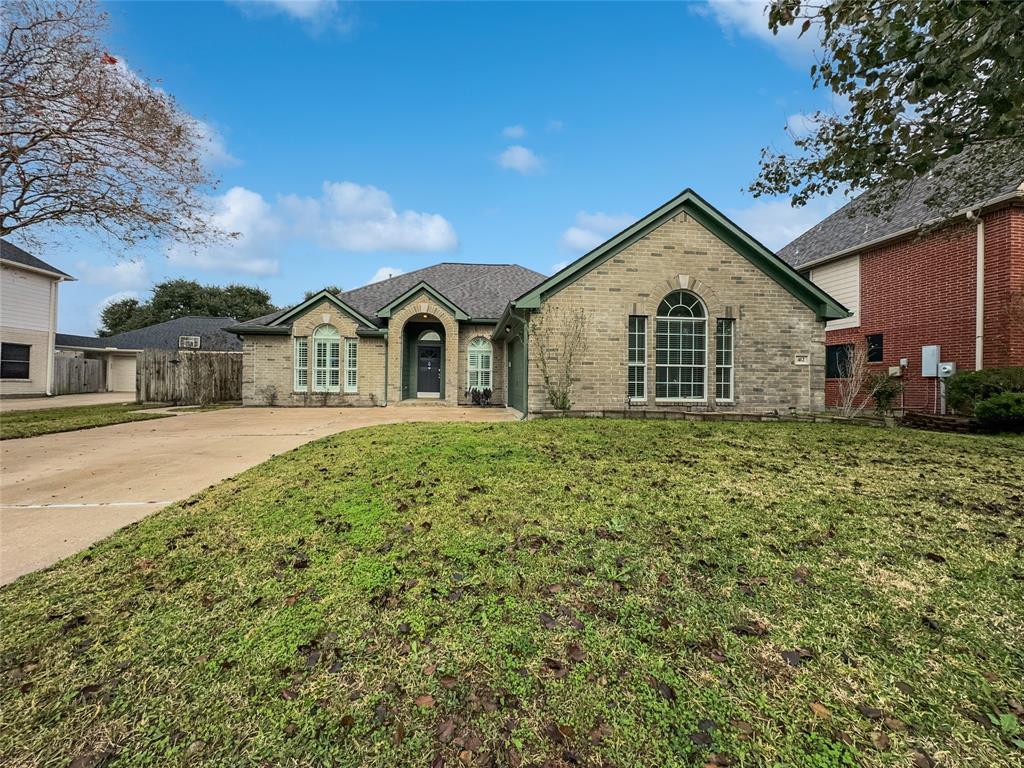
(301, 364)
(351, 365)
(636, 375)
(679, 357)
(478, 368)
(724, 359)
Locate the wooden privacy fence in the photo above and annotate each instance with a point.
(188, 377)
(76, 375)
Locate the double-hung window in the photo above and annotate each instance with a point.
(724, 359)
(680, 348)
(636, 378)
(351, 365)
(301, 359)
(14, 360)
(326, 359)
(479, 364)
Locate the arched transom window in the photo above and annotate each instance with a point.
(326, 359)
(479, 367)
(680, 353)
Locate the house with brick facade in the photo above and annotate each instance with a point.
(681, 310)
(915, 279)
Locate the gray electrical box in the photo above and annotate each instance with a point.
(930, 361)
(946, 370)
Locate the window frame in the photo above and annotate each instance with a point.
(698, 328)
(327, 337)
(829, 362)
(483, 347)
(875, 344)
(351, 365)
(300, 344)
(6, 348)
(636, 341)
(730, 324)
(185, 342)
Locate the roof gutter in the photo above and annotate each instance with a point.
(985, 207)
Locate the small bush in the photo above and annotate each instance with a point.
(964, 390)
(1001, 413)
(885, 390)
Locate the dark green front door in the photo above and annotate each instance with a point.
(517, 375)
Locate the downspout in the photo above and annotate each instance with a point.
(979, 295)
(52, 335)
(386, 366)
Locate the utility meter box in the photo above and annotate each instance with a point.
(930, 361)
(895, 371)
(946, 370)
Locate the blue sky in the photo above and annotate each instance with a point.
(351, 139)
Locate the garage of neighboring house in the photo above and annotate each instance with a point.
(118, 364)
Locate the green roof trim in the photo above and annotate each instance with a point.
(406, 297)
(314, 299)
(688, 201)
(258, 330)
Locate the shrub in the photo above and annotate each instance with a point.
(1001, 413)
(885, 389)
(479, 396)
(964, 390)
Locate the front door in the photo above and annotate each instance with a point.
(428, 371)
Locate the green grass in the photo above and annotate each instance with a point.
(45, 421)
(598, 593)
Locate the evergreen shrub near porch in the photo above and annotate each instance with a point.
(566, 592)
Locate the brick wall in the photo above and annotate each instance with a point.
(921, 290)
(466, 334)
(268, 372)
(771, 325)
(423, 304)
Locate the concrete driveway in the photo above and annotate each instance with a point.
(60, 493)
(64, 401)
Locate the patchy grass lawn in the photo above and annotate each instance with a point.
(597, 593)
(45, 421)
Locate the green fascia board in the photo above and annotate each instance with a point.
(688, 201)
(372, 332)
(405, 298)
(300, 308)
(258, 330)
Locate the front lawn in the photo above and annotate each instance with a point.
(594, 593)
(45, 421)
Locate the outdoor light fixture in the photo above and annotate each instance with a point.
(508, 329)
(425, 315)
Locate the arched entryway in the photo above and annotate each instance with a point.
(423, 358)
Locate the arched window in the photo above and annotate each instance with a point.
(326, 359)
(479, 368)
(680, 351)
(430, 336)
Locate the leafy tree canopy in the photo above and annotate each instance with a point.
(178, 298)
(925, 81)
(329, 288)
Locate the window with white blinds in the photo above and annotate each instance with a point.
(479, 367)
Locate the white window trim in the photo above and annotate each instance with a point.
(731, 366)
(642, 365)
(328, 339)
(300, 343)
(189, 342)
(351, 366)
(479, 369)
(657, 365)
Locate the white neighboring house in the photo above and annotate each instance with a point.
(28, 321)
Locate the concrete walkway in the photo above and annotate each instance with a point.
(60, 493)
(64, 401)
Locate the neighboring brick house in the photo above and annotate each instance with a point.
(911, 279)
(683, 310)
(28, 321)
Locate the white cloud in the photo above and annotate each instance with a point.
(214, 150)
(315, 14)
(520, 159)
(252, 252)
(776, 223)
(801, 124)
(124, 274)
(558, 266)
(353, 217)
(749, 18)
(514, 132)
(554, 126)
(592, 229)
(384, 273)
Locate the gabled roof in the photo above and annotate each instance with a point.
(854, 226)
(211, 331)
(11, 253)
(470, 291)
(714, 221)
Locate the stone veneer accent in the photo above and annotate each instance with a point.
(423, 304)
(771, 325)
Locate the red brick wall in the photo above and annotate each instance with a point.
(921, 291)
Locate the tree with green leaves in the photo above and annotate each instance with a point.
(329, 288)
(926, 80)
(172, 299)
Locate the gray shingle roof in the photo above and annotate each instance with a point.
(164, 335)
(854, 224)
(10, 252)
(481, 290)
